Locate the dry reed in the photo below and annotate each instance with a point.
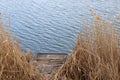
(95, 55)
(14, 65)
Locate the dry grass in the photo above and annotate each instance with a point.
(95, 55)
(13, 64)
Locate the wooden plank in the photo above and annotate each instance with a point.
(47, 62)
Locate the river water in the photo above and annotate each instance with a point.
(51, 25)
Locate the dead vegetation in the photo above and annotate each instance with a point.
(14, 65)
(95, 55)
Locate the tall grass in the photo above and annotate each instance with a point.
(13, 64)
(95, 55)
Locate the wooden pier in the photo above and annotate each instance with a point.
(47, 62)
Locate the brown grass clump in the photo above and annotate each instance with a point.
(13, 64)
(95, 55)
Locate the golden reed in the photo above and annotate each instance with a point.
(96, 54)
(14, 65)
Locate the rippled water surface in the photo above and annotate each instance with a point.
(51, 25)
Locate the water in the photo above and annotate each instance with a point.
(51, 25)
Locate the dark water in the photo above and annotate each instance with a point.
(51, 25)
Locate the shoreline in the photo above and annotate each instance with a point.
(46, 63)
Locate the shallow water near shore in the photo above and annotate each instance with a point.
(51, 25)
